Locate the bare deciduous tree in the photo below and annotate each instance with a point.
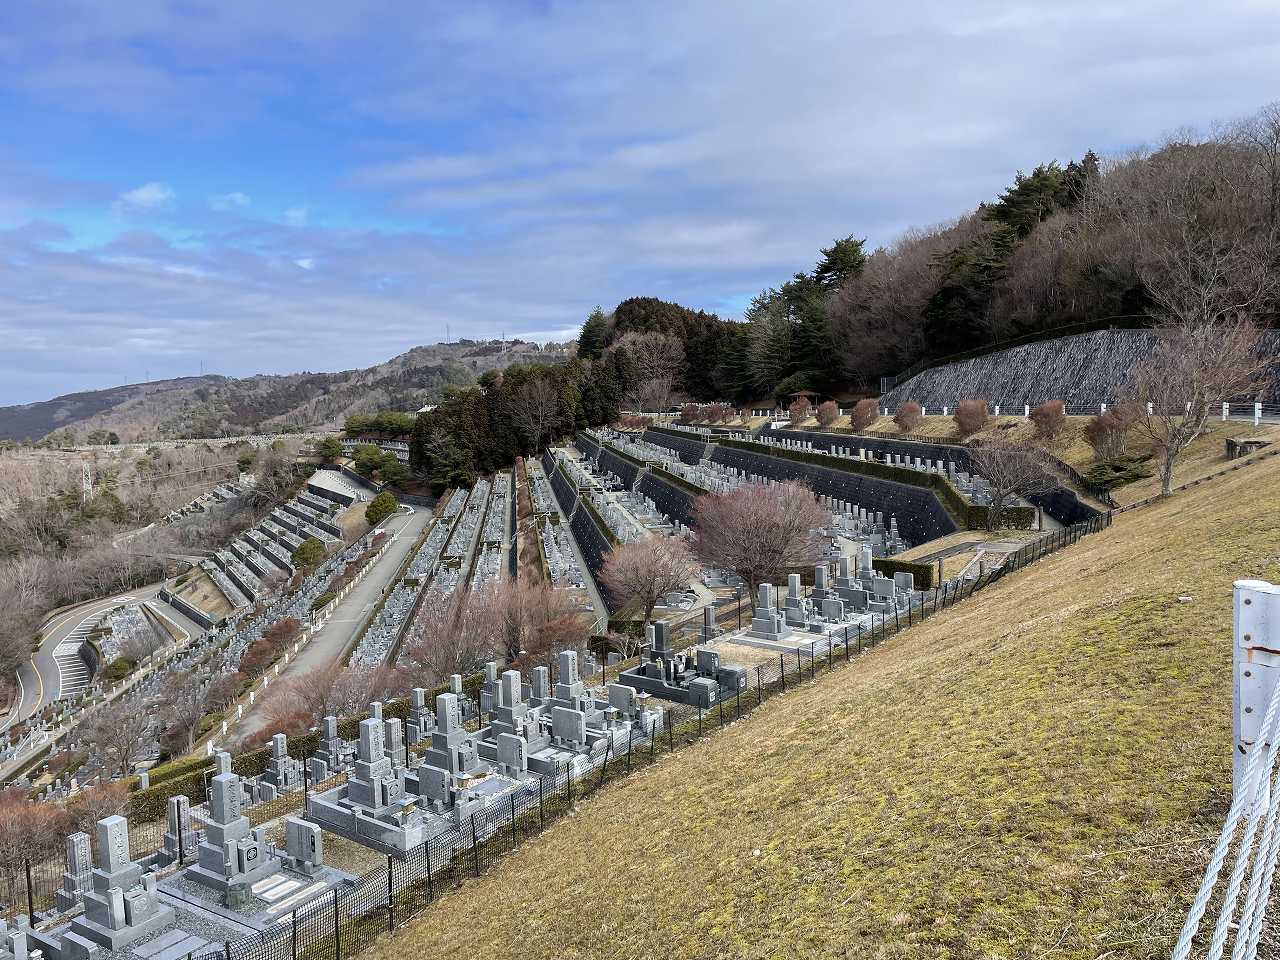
(760, 532)
(1011, 470)
(185, 703)
(116, 731)
(655, 360)
(1191, 371)
(637, 575)
(535, 409)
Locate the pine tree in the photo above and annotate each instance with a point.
(595, 331)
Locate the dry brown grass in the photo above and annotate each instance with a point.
(200, 591)
(352, 522)
(1038, 772)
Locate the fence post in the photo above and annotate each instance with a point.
(475, 846)
(226, 945)
(759, 684)
(513, 820)
(337, 931)
(430, 891)
(391, 895)
(31, 900)
(699, 721)
(293, 950)
(542, 820)
(671, 745)
(782, 662)
(1255, 669)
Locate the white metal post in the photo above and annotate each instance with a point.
(1257, 414)
(1256, 665)
(1226, 410)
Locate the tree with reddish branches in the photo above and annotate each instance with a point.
(760, 532)
(637, 575)
(827, 413)
(799, 411)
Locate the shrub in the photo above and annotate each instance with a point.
(309, 554)
(691, 413)
(908, 416)
(119, 668)
(1050, 419)
(1108, 433)
(971, 416)
(379, 508)
(865, 413)
(322, 601)
(827, 413)
(799, 411)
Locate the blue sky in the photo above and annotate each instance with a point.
(271, 187)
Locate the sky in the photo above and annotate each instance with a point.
(244, 187)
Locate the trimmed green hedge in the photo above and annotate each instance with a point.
(625, 456)
(677, 481)
(967, 515)
(599, 521)
(322, 601)
(923, 572)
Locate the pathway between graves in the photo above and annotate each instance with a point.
(332, 641)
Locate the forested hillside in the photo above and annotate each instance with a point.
(1121, 241)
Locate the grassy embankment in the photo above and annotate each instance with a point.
(1039, 772)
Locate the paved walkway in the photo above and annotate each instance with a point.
(332, 641)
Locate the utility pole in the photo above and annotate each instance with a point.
(86, 483)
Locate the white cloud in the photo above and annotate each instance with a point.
(306, 263)
(149, 196)
(296, 216)
(229, 201)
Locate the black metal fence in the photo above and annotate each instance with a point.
(345, 921)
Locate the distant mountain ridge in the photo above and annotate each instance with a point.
(213, 405)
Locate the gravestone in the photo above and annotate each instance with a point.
(78, 877)
(232, 855)
(122, 906)
(283, 772)
(180, 840)
(304, 846)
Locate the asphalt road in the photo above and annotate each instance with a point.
(39, 682)
(329, 644)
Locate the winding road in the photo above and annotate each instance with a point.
(42, 679)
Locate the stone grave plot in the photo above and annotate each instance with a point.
(856, 600)
(557, 553)
(488, 566)
(468, 523)
(153, 909)
(495, 521)
(539, 488)
(393, 802)
(694, 677)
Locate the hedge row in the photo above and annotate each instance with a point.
(923, 572)
(970, 516)
(625, 456)
(599, 521)
(677, 481)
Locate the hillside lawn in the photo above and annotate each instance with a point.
(1039, 772)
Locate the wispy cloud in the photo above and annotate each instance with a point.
(149, 196)
(505, 167)
(229, 201)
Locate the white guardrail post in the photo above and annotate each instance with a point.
(1256, 666)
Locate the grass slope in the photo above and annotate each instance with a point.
(1040, 772)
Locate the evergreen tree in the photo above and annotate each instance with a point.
(592, 339)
